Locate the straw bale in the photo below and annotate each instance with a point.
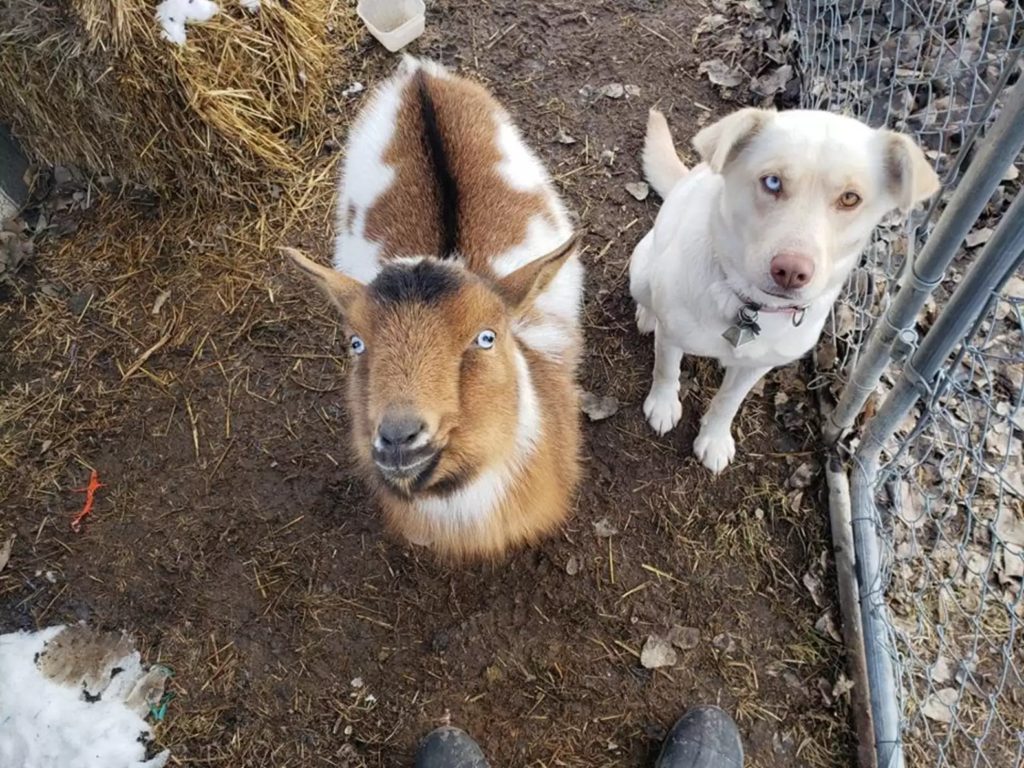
(240, 106)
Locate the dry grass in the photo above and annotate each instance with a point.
(267, 603)
(241, 109)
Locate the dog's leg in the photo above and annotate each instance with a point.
(714, 445)
(645, 321)
(662, 407)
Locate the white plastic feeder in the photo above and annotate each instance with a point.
(396, 23)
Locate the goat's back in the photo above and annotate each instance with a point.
(435, 167)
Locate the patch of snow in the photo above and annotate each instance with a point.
(72, 696)
(173, 15)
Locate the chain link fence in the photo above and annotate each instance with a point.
(937, 374)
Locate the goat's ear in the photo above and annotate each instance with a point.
(519, 288)
(721, 142)
(910, 176)
(340, 289)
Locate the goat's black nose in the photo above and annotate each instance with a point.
(400, 430)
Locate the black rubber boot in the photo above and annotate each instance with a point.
(705, 737)
(449, 748)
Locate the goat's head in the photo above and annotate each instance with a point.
(434, 376)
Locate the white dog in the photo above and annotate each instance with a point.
(751, 248)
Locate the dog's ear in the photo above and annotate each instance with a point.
(722, 142)
(910, 176)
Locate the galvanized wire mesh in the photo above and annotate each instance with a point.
(952, 480)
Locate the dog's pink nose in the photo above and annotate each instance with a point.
(792, 270)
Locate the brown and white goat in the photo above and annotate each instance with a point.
(458, 279)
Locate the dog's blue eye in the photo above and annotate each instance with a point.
(357, 345)
(485, 340)
(772, 183)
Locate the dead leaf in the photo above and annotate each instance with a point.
(612, 91)
(160, 301)
(684, 638)
(941, 671)
(827, 355)
(604, 529)
(724, 643)
(564, 138)
(598, 407)
(939, 705)
(657, 653)
(978, 237)
(1012, 564)
(572, 565)
(1009, 527)
(843, 686)
(5, 552)
(816, 588)
(632, 90)
(803, 476)
(769, 85)
(826, 626)
(638, 189)
(720, 73)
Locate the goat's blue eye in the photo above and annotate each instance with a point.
(772, 183)
(357, 345)
(485, 340)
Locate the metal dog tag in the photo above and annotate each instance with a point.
(745, 329)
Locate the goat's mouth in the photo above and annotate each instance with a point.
(404, 470)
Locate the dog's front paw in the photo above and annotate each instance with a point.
(645, 321)
(663, 410)
(715, 449)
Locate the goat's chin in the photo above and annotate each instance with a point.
(409, 478)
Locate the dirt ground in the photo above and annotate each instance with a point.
(231, 539)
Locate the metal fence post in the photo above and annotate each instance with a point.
(995, 154)
(999, 257)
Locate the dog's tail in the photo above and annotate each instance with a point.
(662, 165)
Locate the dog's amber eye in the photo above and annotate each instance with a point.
(849, 200)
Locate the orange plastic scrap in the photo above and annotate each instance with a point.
(90, 495)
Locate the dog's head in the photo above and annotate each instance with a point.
(802, 192)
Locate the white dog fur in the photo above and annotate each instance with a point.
(778, 212)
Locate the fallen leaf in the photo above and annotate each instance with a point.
(978, 237)
(632, 90)
(939, 705)
(684, 638)
(1009, 527)
(843, 686)
(720, 73)
(941, 671)
(160, 301)
(724, 643)
(604, 529)
(564, 138)
(5, 552)
(826, 626)
(769, 85)
(598, 407)
(612, 91)
(657, 653)
(803, 476)
(572, 566)
(638, 189)
(1013, 564)
(816, 588)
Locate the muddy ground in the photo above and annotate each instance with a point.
(232, 540)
